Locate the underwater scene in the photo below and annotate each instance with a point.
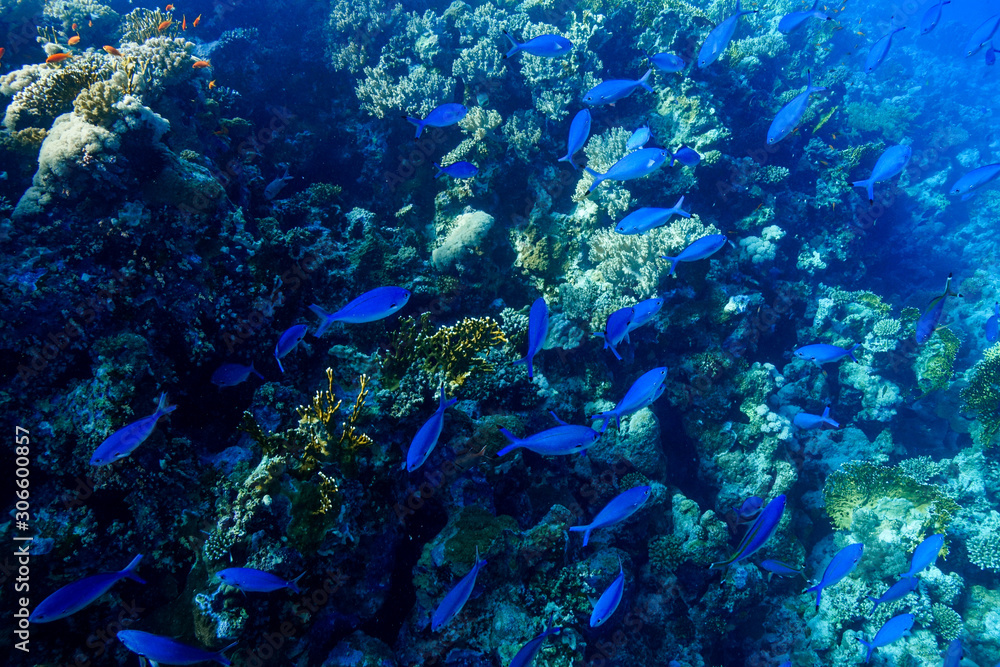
(498, 333)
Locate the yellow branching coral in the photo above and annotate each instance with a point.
(141, 24)
(317, 423)
(454, 352)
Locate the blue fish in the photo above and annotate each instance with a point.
(426, 439)
(611, 91)
(71, 598)
(618, 509)
(291, 337)
(879, 50)
(993, 324)
(644, 311)
(250, 580)
(461, 169)
(953, 654)
(609, 600)
(842, 564)
(932, 16)
(928, 322)
(557, 441)
(805, 420)
(924, 555)
(686, 156)
(643, 391)
(638, 139)
(616, 330)
(526, 656)
(719, 38)
(757, 534)
(441, 116)
(157, 649)
(667, 62)
(749, 510)
(702, 248)
(376, 304)
(889, 164)
(543, 46)
(123, 442)
(538, 330)
(457, 596)
(773, 567)
(791, 22)
(579, 132)
(892, 630)
(230, 375)
(991, 57)
(982, 35)
(975, 178)
(897, 591)
(790, 115)
(634, 165)
(821, 353)
(644, 219)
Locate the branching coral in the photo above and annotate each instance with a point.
(142, 24)
(982, 396)
(454, 352)
(43, 92)
(863, 485)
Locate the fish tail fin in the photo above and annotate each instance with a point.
(586, 530)
(280, 367)
(850, 352)
(515, 45)
(164, 408)
(220, 657)
(129, 571)
(568, 158)
(597, 178)
(867, 646)
(514, 440)
(508, 449)
(416, 121)
(678, 210)
(613, 350)
(254, 371)
(869, 185)
(601, 415)
(294, 584)
(673, 263)
(527, 362)
(672, 159)
(826, 418)
(818, 590)
(324, 321)
(440, 170)
(644, 78)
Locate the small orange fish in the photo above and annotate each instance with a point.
(221, 132)
(824, 163)
(163, 26)
(72, 41)
(184, 23)
(834, 136)
(112, 51)
(90, 23)
(211, 84)
(169, 8)
(2, 51)
(58, 57)
(196, 21)
(758, 206)
(74, 26)
(860, 33)
(201, 64)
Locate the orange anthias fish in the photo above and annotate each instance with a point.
(168, 8)
(201, 64)
(196, 21)
(112, 51)
(163, 26)
(2, 51)
(75, 39)
(58, 57)
(90, 23)
(184, 23)
(211, 84)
